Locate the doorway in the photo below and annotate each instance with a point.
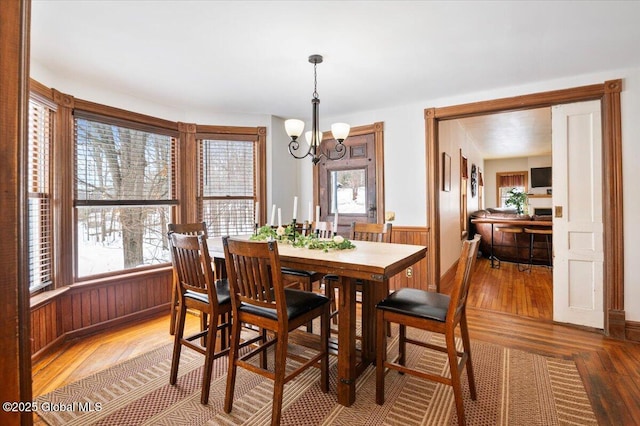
(506, 145)
(354, 185)
(608, 94)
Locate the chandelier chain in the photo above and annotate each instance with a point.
(315, 80)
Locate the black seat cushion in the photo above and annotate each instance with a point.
(298, 272)
(417, 303)
(222, 290)
(298, 302)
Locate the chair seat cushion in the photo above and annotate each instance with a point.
(298, 272)
(417, 303)
(222, 290)
(298, 303)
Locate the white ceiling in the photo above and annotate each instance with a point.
(251, 56)
(511, 134)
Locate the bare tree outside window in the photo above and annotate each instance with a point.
(123, 196)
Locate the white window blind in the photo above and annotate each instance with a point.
(227, 186)
(124, 189)
(39, 196)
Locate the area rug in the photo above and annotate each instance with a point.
(513, 387)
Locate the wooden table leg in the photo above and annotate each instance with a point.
(372, 293)
(347, 342)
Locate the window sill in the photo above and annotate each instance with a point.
(46, 296)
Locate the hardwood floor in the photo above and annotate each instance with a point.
(610, 368)
(508, 290)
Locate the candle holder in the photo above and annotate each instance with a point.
(293, 229)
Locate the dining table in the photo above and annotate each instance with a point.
(373, 264)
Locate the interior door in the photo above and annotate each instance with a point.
(348, 185)
(578, 278)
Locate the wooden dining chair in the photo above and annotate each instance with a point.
(300, 278)
(197, 289)
(378, 232)
(434, 312)
(323, 229)
(258, 297)
(199, 228)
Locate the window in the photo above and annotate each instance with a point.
(124, 190)
(227, 185)
(506, 181)
(348, 191)
(39, 196)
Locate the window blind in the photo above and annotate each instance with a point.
(511, 180)
(119, 165)
(227, 186)
(39, 196)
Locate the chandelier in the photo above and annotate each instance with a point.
(295, 127)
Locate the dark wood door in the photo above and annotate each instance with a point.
(348, 185)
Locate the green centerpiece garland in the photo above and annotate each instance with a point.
(290, 236)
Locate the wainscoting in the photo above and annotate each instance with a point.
(411, 235)
(85, 308)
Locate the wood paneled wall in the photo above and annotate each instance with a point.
(411, 235)
(88, 307)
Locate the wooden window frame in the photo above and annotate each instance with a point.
(257, 135)
(524, 173)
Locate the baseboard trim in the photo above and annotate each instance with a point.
(632, 331)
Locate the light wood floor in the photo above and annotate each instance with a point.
(610, 368)
(508, 290)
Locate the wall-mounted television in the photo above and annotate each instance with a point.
(540, 176)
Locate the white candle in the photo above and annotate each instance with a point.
(335, 223)
(273, 215)
(257, 216)
(310, 212)
(295, 208)
(279, 216)
(317, 215)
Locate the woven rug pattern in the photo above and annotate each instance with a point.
(513, 387)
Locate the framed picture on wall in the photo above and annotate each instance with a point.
(446, 172)
(474, 180)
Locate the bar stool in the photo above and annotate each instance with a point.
(539, 231)
(515, 230)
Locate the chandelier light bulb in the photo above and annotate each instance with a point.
(294, 128)
(340, 131)
(307, 136)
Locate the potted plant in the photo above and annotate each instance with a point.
(518, 199)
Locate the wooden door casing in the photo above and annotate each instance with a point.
(364, 151)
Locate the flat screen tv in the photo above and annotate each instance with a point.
(540, 176)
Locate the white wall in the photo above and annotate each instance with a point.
(404, 142)
(452, 139)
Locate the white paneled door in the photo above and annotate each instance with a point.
(577, 223)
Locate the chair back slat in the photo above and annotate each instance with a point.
(323, 229)
(462, 280)
(192, 264)
(377, 232)
(254, 274)
(188, 228)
